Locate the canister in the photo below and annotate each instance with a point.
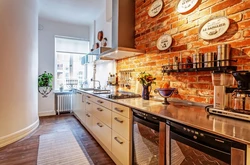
(197, 60)
(208, 60)
(223, 55)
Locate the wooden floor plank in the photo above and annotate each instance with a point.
(24, 152)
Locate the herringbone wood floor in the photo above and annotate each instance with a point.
(24, 152)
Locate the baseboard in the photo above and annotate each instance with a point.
(47, 113)
(5, 140)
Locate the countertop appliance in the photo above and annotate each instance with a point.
(148, 139)
(232, 102)
(187, 145)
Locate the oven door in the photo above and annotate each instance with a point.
(148, 142)
(184, 151)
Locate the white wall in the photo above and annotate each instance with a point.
(46, 53)
(18, 65)
(103, 68)
(106, 27)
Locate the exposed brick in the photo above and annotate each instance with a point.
(199, 85)
(246, 15)
(244, 25)
(224, 5)
(179, 48)
(246, 33)
(237, 8)
(207, 79)
(206, 92)
(187, 26)
(208, 4)
(242, 43)
(235, 18)
(246, 51)
(179, 23)
(196, 99)
(192, 31)
(188, 39)
(198, 15)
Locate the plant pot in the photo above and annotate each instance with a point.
(44, 91)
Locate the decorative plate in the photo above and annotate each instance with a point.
(164, 42)
(185, 6)
(214, 28)
(155, 8)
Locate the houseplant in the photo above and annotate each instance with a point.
(146, 79)
(45, 81)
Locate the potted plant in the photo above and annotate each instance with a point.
(45, 81)
(146, 79)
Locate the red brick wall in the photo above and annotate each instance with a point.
(193, 86)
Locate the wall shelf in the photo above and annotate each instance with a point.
(168, 68)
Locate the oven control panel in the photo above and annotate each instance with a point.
(201, 136)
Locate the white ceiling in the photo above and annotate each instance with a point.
(82, 12)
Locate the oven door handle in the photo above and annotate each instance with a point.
(221, 155)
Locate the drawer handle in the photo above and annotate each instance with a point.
(87, 115)
(99, 109)
(119, 110)
(99, 101)
(99, 125)
(88, 103)
(116, 138)
(120, 121)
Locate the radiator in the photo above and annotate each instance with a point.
(63, 103)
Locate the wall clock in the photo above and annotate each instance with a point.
(214, 28)
(155, 8)
(186, 6)
(164, 42)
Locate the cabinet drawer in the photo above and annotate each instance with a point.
(102, 114)
(103, 102)
(122, 110)
(122, 125)
(89, 105)
(102, 132)
(90, 97)
(121, 148)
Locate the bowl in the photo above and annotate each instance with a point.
(165, 93)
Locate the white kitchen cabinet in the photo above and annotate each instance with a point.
(88, 113)
(79, 105)
(102, 131)
(121, 148)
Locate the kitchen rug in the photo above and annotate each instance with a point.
(60, 148)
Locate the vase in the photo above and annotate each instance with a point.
(145, 92)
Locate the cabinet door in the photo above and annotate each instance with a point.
(122, 125)
(88, 120)
(82, 114)
(102, 114)
(74, 101)
(102, 131)
(121, 148)
(77, 104)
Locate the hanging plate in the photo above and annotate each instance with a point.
(164, 42)
(155, 8)
(185, 6)
(214, 28)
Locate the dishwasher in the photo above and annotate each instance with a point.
(149, 137)
(187, 145)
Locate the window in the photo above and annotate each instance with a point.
(69, 71)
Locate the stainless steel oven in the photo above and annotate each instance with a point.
(186, 146)
(148, 139)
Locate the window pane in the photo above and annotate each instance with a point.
(69, 70)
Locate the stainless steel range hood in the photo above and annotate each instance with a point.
(123, 28)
